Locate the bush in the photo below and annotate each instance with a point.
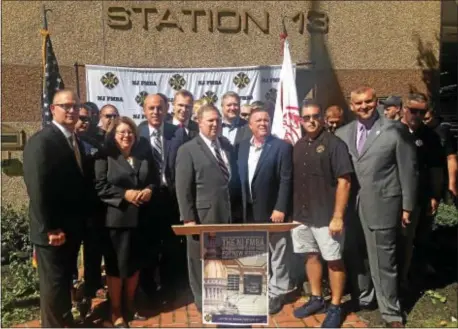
(20, 295)
(447, 215)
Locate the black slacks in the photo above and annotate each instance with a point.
(92, 254)
(55, 270)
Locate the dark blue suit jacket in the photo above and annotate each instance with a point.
(168, 136)
(271, 188)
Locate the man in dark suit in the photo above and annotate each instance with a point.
(265, 168)
(206, 173)
(57, 188)
(235, 129)
(157, 137)
(386, 172)
(182, 109)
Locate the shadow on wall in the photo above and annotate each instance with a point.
(429, 65)
(328, 89)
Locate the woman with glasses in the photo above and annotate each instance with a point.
(125, 181)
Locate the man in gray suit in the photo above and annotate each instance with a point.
(206, 176)
(386, 172)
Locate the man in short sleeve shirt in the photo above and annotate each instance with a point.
(322, 169)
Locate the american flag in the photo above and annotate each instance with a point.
(52, 81)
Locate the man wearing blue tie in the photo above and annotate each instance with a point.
(265, 168)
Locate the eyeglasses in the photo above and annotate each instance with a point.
(307, 118)
(125, 133)
(111, 116)
(84, 118)
(244, 115)
(69, 106)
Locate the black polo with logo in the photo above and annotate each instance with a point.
(318, 163)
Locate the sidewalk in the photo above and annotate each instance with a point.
(184, 314)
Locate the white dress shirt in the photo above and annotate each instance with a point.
(152, 131)
(253, 159)
(178, 123)
(230, 132)
(67, 133)
(208, 142)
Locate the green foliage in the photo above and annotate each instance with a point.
(20, 296)
(447, 215)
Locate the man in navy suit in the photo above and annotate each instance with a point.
(265, 168)
(157, 136)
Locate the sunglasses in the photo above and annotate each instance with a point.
(244, 115)
(307, 118)
(111, 116)
(415, 111)
(84, 118)
(69, 106)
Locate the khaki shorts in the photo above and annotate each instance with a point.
(310, 239)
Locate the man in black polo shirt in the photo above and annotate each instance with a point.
(322, 169)
(442, 129)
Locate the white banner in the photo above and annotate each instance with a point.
(126, 87)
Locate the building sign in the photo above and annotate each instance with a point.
(126, 88)
(198, 20)
(235, 275)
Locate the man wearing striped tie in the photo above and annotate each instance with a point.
(206, 178)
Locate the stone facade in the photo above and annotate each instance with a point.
(349, 42)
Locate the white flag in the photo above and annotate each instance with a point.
(286, 123)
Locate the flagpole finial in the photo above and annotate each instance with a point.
(283, 34)
(45, 19)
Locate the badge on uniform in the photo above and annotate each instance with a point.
(320, 149)
(419, 142)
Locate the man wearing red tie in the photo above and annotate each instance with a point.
(182, 110)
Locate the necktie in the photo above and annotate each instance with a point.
(362, 138)
(220, 161)
(157, 145)
(76, 151)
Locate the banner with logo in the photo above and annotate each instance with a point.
(126, 88)
(235, 271)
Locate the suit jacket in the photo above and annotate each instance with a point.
(168, 135)
(243, 131)
(114, 176)
(386, 172)
(56, 186)
(202, 192)
(271, 187)
(193, 129)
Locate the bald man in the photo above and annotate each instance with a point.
(157, 135)
(59, 206)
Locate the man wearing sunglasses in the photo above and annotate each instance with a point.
(108, 113)
(56, 182)
(431, 163)
(92, 249)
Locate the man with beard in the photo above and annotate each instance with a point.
(385, 167)
(431, 161)
(322, 171)
(442, 129)
(334, 118)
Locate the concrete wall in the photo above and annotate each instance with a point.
(353, 43)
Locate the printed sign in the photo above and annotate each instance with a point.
(235, 276)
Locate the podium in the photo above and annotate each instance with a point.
(235, 271)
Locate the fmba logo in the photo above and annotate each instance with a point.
(177, 82)
(140, 98)
(241, 80)
(109, 80)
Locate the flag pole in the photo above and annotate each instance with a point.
(77, 80)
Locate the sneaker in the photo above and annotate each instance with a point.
(333, 317)
(314, 305)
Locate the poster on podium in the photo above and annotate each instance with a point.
(235, 275)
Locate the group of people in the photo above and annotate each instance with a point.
(118, 188)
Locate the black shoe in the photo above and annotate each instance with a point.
(275, 305)
(314, 305)
(333, 317)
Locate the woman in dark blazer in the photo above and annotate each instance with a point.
(125, 180)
